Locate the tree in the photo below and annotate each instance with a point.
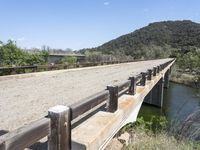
(11, 55)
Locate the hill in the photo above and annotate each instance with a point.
(157, 40)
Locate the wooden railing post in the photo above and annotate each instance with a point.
(162, 66)
(112, 102)
(154, 71)
(158, 69)
(34, 68)
(132, 88)
(60, 134)
(143, 80)
(13, 71)
(149, 75)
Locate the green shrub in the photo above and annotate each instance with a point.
(68, 60)
(11, 55)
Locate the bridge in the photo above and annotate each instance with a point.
(54, 58)
(88, 123)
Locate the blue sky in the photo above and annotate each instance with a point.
(80, 24)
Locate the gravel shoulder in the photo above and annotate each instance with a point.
(25, 98)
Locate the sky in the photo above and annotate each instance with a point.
(78, 24)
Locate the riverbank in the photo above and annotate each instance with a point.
(185, 78)
(142, 136)
(141, 140)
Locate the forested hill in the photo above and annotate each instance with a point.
(157, 40)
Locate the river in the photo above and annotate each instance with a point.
(178, 102)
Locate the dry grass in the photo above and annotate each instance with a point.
(143, 137)
(142, 140)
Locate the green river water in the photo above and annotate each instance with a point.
(178, 102)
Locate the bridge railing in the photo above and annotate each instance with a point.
(38, 68)
(61, 120)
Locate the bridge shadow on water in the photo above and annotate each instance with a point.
(148, 110)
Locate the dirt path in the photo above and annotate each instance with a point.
(26, 99)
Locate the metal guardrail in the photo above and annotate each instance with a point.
(58, 124)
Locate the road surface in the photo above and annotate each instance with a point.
(25, 98)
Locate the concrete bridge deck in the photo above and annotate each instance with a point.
(29, 96)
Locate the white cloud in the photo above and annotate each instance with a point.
(106, 3)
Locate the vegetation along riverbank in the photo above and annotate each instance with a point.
(154, 134)
(187, 78)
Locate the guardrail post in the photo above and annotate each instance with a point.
(132, 89)
(143, 80)
(34, 69)
(112, 102)
(158, 69)
(149, 75)
(160, 66)
(163, 67)
(154, 71)
(60, 134)
(13, 71)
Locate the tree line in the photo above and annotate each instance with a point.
(11, 55)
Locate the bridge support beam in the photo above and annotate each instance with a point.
(155, 96)
(148, 98)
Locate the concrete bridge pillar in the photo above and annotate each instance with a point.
(155, 96)
(166, 79)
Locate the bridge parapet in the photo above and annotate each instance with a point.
(92, 122)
